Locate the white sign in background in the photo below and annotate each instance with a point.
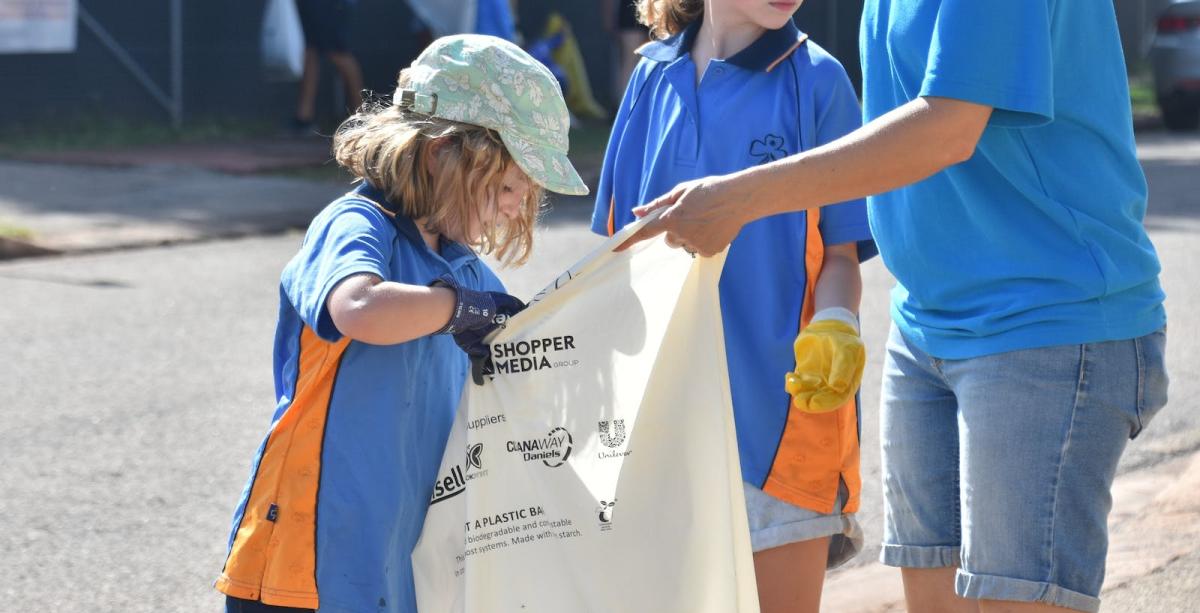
(38, 26)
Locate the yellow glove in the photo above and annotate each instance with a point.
(830, 358)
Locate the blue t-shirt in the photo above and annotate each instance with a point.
(779, 96)
(1037, 240)
(339, 489)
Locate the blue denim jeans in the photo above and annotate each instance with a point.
(1002, 465)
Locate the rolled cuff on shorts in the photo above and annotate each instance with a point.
(843, 530)
(990, 587)
(775, 523)
(911, 556)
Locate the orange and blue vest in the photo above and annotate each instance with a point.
(781, 95)
(339, 488)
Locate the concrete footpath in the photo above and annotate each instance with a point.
(51, 208)
(54, 210)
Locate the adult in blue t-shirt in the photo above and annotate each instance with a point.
(1028, 322)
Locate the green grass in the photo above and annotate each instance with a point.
(1141, 96)
(1141, 90)
(108, 133)
(11, 231)
(589, 140)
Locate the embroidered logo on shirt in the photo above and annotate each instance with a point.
(768, 149)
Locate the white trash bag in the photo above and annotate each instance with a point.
(446, 17)
(597, 469)
(282, 41)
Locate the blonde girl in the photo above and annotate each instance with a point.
(379, 312)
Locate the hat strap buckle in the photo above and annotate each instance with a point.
(418, 102)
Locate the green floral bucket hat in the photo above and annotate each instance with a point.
(490, 82)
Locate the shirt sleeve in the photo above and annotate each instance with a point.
(838, 115)
(350, 239)
(603, 215)
(994, 53)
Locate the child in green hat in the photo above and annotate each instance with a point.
(379, 312)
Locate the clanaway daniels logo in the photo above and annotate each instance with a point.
(552, 449)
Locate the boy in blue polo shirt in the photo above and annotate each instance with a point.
(387, 282)
(716, 94)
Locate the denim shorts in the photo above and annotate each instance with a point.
(1001, 465)
(774, 523)
(238, 605)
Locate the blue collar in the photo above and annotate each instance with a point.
(402, 222)
(454, 253)
(763, 54)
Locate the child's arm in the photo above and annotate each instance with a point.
(840, 283)
(830, 356)
(368, 309)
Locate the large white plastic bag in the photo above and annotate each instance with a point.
(282, 41)
(597, 470)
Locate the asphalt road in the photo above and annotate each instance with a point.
(136, 385)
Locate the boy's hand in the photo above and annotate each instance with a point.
(830, 358)
(476, 314)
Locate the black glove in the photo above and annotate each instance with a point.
(476, 314)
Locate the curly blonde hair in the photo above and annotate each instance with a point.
(387, 146)
(666, 18)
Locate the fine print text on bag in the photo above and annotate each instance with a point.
(597, 468)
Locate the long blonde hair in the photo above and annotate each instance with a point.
(387, 146)
(666, 18)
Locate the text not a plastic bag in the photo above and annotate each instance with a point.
(282, 41)
(597, 469)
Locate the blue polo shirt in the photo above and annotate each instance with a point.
(1037, 240)
(780, 95)
(339, 488)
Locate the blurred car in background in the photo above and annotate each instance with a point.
(1175, 57)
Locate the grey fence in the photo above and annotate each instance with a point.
(125, 54)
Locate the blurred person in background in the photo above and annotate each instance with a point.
(326, 26)
(621, 22)
(496, 18)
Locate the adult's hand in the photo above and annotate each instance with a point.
(701, 216)
(904, 146)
